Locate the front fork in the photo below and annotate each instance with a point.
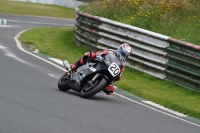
(95, 77)
(90, 84)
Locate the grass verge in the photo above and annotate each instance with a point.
(175, 18)
(59, 43)
(54, 41)
(25, 8)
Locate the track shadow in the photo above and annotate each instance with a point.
(99, 96)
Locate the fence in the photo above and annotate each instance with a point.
(158, 55)
(183, 67)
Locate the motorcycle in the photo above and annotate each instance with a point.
(91, 78)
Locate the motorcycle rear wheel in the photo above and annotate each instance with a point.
(99, 85)
(63, 83)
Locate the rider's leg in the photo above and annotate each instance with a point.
(82, 61)
(77, 64)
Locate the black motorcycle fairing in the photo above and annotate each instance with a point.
(110, 58)
(94, 69)
(85, 73)
(74, 82)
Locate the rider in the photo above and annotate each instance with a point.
(122, 53)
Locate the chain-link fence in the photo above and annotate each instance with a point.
(66, 3)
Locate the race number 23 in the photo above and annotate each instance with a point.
(114, 69)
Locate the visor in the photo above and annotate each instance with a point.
(122, 53)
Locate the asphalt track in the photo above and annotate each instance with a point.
(30, 101)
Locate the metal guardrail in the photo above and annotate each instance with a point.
(183, 67)
(149, 49)
(152, 53)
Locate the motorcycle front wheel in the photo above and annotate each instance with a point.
(63, 82)
(97, 86)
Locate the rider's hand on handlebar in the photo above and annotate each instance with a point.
(99, 58)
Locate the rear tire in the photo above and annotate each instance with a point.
(101, 83)
(63, 83)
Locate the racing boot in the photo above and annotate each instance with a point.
(109, 89)
(66, 65)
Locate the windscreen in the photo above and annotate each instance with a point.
(110, 58)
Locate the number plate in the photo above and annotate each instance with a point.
(114, 69)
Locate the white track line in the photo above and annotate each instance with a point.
(8, 26)
(41, 23)
(157, 110)
(20, 47)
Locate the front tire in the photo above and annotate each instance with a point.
(63, 83)
(99, 85)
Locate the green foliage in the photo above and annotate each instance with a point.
(176, 18)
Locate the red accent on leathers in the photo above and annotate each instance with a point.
(98, 53)
(105, 52)
(123, 69)
(93, 56)
(111, 88)
(82, 61)
(73, 66)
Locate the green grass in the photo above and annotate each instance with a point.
(162, 92)
(175, 18)
(60, 43)
(54, 41)
(24, 8)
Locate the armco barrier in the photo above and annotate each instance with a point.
(149, 48)
(3, 22)
(184, 64)
(153, 53)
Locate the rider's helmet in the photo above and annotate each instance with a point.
(124, 51)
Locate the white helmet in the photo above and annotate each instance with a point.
(124, 51)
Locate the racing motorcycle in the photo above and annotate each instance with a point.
(91, 78)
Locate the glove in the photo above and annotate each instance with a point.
(87, 54)
(99, 57)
